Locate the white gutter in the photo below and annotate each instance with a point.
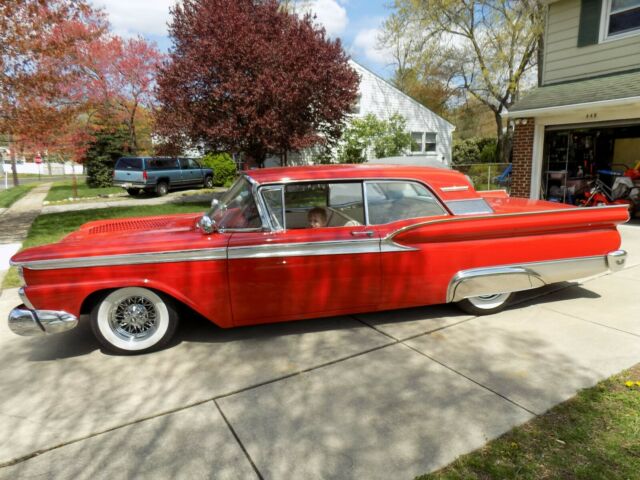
(541, 112)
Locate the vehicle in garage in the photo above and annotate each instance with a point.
(389, 237)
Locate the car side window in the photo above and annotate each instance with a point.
(193, 164)
(323, 204)
(184, 163)
(162, 163)
(389, 201)
(273, 199)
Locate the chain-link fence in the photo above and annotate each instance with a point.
(487, 176)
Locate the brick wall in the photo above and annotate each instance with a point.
(522, 157)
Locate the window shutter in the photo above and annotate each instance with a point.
(590, 15)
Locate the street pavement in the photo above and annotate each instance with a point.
(383, 395)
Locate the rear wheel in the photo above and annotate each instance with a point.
(134, 192)
(162, 189)
(485, 304)
(133, 320)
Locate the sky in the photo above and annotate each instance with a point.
(355, 22)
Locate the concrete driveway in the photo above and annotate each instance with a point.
(386, 395)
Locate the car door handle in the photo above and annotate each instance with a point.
(360, 233)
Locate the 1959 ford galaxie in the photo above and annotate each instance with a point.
(294, 243)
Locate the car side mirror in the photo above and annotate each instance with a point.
(207, 225)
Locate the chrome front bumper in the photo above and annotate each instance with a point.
(525, 276)
(28, 322)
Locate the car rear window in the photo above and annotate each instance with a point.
(162, 163)
(129, 164)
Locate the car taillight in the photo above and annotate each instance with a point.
(144, 175)
(114, 174)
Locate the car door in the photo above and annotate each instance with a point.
(415, 268)
(295, 272)
(195, 172)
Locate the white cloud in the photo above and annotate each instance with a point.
(329, 13)
(366, 42)
(137, 17)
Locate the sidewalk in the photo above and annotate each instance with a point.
(15, 222)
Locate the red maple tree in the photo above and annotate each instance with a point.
(119, 79)
(38, 44)
(246, 75)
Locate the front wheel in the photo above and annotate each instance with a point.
(133, 320)
(208, 182)
(485, 304)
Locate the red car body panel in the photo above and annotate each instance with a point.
(232, 289)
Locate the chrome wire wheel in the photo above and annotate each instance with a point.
(485, 304)
(133, 320)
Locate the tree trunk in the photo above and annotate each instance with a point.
(14, 168)
(132, 131)
(540, 59)
(499, 136)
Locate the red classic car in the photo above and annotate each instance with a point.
(385, 237)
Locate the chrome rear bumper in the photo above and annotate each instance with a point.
(26, 322)
(525, 276)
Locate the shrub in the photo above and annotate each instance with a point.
(99, 171)
(474, 150)
(370, 135)
(223, 166)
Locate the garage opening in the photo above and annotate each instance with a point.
(582, 160)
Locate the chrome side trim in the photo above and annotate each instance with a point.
(515, 278)
(25, 299)
(342, 247)
(28, 323)
(455, 188)
(129, 259)
(495, 215)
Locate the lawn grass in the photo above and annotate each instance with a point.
(64, 190)
(10, 196)
(595, 435)
(52, 227)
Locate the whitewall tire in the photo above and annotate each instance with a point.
(133, 320)
(485, 304)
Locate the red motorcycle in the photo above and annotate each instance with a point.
(619, 194)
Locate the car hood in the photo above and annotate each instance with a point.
(126, 236)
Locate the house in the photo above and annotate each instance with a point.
(583, 121)
(432, 134)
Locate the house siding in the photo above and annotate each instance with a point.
(564, 60)
(383, 100)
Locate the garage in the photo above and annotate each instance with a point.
(594, 163)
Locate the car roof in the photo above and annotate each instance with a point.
(449, 184)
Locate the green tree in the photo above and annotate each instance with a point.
(109, 144)
(488, 47)
(370, 135)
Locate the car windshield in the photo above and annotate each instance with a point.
(237, 208)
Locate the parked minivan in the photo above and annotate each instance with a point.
(160, 174)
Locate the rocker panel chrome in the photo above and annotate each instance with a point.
(515, 278)
(29, 323)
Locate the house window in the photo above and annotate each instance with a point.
(356, 107)
(423, 142)
(623, 16)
